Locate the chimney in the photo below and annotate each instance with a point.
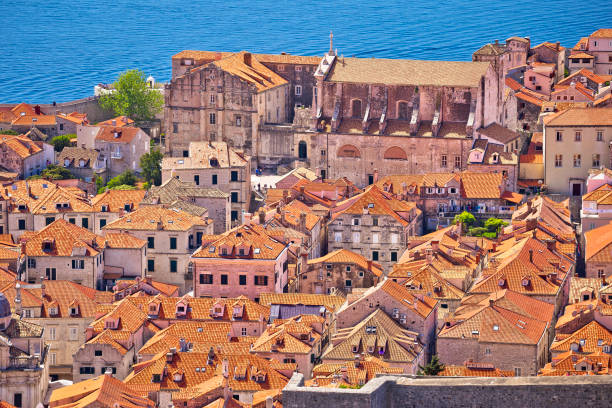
(375, 177)
(558, 45)
(148, 279)
(551, 245)
(108, 371)
(262, 216)
(496, 42)
(435, 245)
(269, 402)
(18, 299)
(285, 196)
(247, 58)
(531, 255)
(225, 368)
(491, 302)
(303, 221)
(603, 279)
(114, 122)
(302, 188)
(283, 215)
(43, 294)
(369, 264)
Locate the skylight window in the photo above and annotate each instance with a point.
(495, 327)
(257, 250)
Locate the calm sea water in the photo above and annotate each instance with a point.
(57, 50)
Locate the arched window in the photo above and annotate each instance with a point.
(349, 151)
(402, 110)
(395, 153)
(356, 108)
(302, 150)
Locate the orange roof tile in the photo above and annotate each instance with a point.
(118, 134)
(21, 145)
(123, 240)
(103, 391)
(118, 200)
(297, 335)
(148, 218)
(588, 339)
(344, 256)
(60, 238)
(34, 120)
(470, 369)
(119, 121)
(252, 240)
(581, 117)
(598, 243)
(246, 66)
(602, 33)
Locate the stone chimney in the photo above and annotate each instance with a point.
(285, 196)
(435, 245)
(303, 221)
(269, 402)
(283, 214)
(247, 58)
(18, 299)
(225, 368)
(603, 279)
(531, 255)
(375, 177)
(43, 294)
(262, 216)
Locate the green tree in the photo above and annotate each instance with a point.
(150, 163)
(59, 142)
(132, 97)
(99, 183)
(127, 178)
(8, 132)
(466, 219)
(54, 172)
(494, 224)
(433, 368)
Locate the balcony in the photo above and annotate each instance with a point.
(116, 155)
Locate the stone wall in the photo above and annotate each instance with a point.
(395, 392)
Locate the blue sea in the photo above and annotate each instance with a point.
(57, 50)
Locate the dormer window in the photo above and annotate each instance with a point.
(127, 207)
(74, 311)
(525, 281)
(66, 162)
(156, 378)
(104, 208)
(501, 282)
(53, 311)
(355, 348)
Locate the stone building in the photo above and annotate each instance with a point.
(83, 163)
(598, 250)
(23, 156)
(596, 206)
(414, 312)
(377, 335)
(63, 309)
(506, 329)
(488, 157)
(64, 251)
(341, 269)
(114, 204)
(24, 359)
(373, 224)
(575, 140)
(174, 192)
(593, 52)
(171, 235)
(121, 146)
(550, 53)
(214, 165)
(225, 100)
(586, 77)
(371, 113)
(292, 341)
(243, 261)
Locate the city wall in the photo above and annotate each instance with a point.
(87, 105)
(397, 391)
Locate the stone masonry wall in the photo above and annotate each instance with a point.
(395, 392)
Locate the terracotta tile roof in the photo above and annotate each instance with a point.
(494, 324)
(581, 44)
(71, 117)
(207, 155)
(602, 33)
(376, 202)
(408, 72)
(527, 267)
(199, 308)
(603, 101)
(117, 134)
(398, 344)
(582, 55)
(123, 240)
(117, 200)
(552, 46)
(491, 49)
(173, 188)
(331, 302)
(578, 86)
(427, 281)
(423, 306)
(62, 238)
(292, 214)
(353, 372)
(75, 154)
(247, 67)
(164, 288)
(129, 319)
(252, 240)
(500, 133)
(529, 98)
(481, 185)
(21, 145)
(35, 120)
(581, 117)
(108, 337)
(598, 244)
(548, 214)
(200, 335)
(119, 121)
(102, 391)
(243, 370)
(55, 202)
(583, 73)
(588, 339)
(264, 58)
(470, 369)
(23, 107)
(573, 363)
(297, 335)
(344, 256)
(155, 218)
